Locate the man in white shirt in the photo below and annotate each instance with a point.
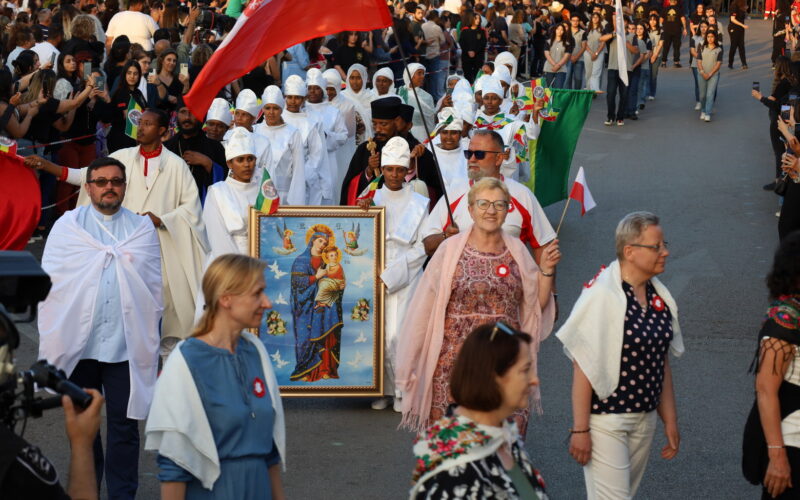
(525, 220)
(23, 40)
(132, 22)
(47, 48)
(100, 320)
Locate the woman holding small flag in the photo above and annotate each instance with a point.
(122, 113)
(619, 336)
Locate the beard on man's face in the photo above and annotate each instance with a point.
(188, 127)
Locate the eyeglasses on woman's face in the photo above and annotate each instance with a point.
(499, 205)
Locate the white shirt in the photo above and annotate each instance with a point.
(44, 50)
(139, 27)
(12, 56)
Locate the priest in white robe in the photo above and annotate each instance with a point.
(406, 211)
(449, 151)
(287, 168)
(245, 115)
(99, 323)
(332, 122)
(318, 169)
(159, 185)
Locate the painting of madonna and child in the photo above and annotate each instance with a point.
(324, 332)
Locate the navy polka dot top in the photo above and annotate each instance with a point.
(645, 346)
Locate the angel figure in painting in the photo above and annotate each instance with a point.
(285, 235)
(317, 330)
(351, 241)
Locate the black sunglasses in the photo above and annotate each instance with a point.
(479, 154)
(102, 182)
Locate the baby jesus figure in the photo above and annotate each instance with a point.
(331, 284)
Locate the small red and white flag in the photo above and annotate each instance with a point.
(580, 193)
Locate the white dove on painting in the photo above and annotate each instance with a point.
(363, 280)
(278, 273)
(281, 299)
(279, 362)
(361, 338)
(356, 360)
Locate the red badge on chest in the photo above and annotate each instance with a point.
(501, 270)
(258, 387)
(657, 303)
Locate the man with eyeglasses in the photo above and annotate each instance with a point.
(100, 321)
(525, 220)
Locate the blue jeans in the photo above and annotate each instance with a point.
(122, 433)
(575, 74)
(555, 80)
(696, 87)
(644, 84)
(633, 91)
(613, 86)
(436, 77)
(708, 90)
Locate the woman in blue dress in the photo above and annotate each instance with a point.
(317, 331)
(216, 418)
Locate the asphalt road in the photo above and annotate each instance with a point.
(704, 180)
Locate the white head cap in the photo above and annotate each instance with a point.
(334, 79)
(294, 85)
(492, 86)
(314, 77)
(507, 59)
(273, 95)
(240, 142)
(480, 82)
(412, 68)
(501, 73)
(248, 102)
(396, 152)
(386, 73)
(456, 124)
(220, 110)
(465, 110)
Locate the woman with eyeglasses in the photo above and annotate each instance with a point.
(476, 446)
(619, 336)
(477, 276)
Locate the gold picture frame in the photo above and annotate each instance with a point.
(325, 331)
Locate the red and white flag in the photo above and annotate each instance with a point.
(580, 193)
(267, 27)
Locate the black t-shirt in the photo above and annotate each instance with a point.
(607, 12)
(740, 16)
(347, 56)
(41, 129)
(672, 19)
(640, 11)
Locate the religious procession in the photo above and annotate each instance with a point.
(238, 207)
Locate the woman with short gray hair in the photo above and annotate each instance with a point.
(618, 337)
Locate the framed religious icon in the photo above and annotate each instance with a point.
(324, 332)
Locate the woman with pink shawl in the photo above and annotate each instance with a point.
(479, 276)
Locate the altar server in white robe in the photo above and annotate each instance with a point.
(245, 115)
(332, 123)
(159, 185)
(287, 166)
(449, 151)
(99, 323)
(226, 213)
(425, 108)
(509, 128)
(319, 181)
(383, 83)
(406, 211)
(348, 110)
(356, 90)
(218, 119)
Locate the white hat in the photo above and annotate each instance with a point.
(480, 82)
(333, 78)
(456, 124)
(492, 86)
(465, 111)
(273, 95)
(248, 102)
(294, 85)
(240, 142)
(220, 110)
(314, 77)
(502, 74)
(507, 59)
(396, 152)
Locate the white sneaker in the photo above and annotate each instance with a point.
(398, 405)
(702, 116)
(697, 107)
(707, 118)
(651, 98)
(380, 404)
(778, 213)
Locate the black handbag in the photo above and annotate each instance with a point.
(782, 184)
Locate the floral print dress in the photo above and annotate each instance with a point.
(486, 288)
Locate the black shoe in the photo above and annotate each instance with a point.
(632, 117)
(663, 64)
(730, 66)
(677, 64)
(770, 186)
(641, 106)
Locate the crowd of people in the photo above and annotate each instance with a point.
(148, 217)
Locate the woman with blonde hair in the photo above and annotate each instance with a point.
(216, 418)
(478, 276)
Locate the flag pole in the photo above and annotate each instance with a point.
(424, 124)
(563, 213)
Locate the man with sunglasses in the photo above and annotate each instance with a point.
(525, 220)
(100, 321)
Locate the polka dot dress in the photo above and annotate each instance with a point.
(645, 345)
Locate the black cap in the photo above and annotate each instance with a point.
(407, 113)
(386, 108)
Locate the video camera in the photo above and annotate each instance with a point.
(23, 284)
